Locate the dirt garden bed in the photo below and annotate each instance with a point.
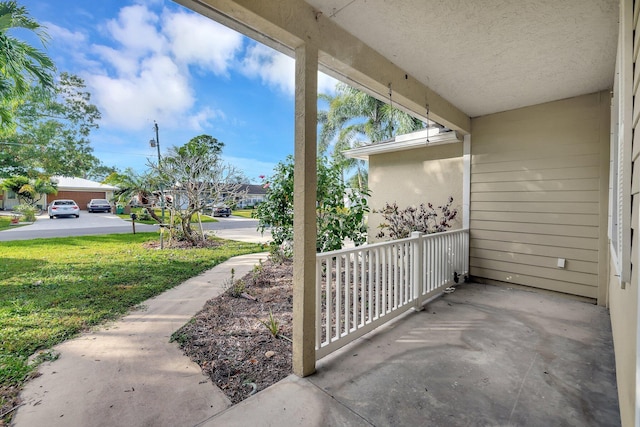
(231, 337)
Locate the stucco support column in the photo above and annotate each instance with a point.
(304, 210)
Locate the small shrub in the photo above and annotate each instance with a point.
(144, 214)
(278, 254)
(233, 287)
(27, 211)
(272, 324)
(425, 219)
(257, 271)
(237, 288)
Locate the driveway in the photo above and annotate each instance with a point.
(87, 224)
(234, 228)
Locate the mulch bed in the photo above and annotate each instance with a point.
(230, 337)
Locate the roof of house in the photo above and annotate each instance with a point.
(253, 189)
(73, 183)
(421, 138)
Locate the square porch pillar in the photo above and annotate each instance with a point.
(304, 210)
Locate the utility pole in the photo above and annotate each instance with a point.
(156, 143)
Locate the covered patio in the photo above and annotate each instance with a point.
(482, 355)
(541, 95)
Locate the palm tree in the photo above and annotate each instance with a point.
(133, 185)
(29, 190)
(355, 118)
(20, 63)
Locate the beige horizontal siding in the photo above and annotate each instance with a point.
(537, 239)
(491, 153)
(533, 260)
(551, 162)
(584, 184)
(536, 282)
(536, 196)
(533, 228)
(536, 182)
(564, 275)
(551, 252)
(528, 175)
(536, 218)
(542, 207)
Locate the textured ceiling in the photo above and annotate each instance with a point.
(491, 55)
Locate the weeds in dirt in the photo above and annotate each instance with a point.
(272, 324)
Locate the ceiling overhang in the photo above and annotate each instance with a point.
(287, 24)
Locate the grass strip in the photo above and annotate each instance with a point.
(245, 213)
(52, 289)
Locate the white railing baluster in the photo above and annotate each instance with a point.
(319, 302)
(365, 287)
(338, 292)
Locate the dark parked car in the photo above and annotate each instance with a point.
(99, 205)
(64, 208)
(221, 211)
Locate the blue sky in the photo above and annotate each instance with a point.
(146, 60)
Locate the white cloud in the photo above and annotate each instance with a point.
(158, 92)
(143, 72)
(199, 120)
(196, 40)
(278, 70)
(135, 29)
(60, 34)
(326, 84)
(271, 67)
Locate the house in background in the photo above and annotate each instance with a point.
(79, 189)
(252, 195)
(543, 95)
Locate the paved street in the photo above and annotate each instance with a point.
(236, 228)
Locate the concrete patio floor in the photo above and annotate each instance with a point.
(481, 356)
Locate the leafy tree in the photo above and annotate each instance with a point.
(29, 190)
(196, 179)
(100, 173)
(134, 185)
(21, 65)
(202, 145)
(354, 118)
(53, 132)
(337, 219)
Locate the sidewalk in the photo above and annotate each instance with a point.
(128, 373)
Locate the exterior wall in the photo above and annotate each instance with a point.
(623, 306)
(80, 197)
(411, 177)
(624, 256)
(9, 202)
(539, 178)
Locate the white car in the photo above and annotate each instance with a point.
(63, 208)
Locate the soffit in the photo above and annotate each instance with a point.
(494, 55)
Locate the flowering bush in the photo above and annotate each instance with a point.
(340, 212)
(401, 223)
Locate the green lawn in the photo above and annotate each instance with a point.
(51, 289)
(4, 222)
(246, 213)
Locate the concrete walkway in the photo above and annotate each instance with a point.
(128, 373)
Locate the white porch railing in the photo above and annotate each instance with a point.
(362, 288)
